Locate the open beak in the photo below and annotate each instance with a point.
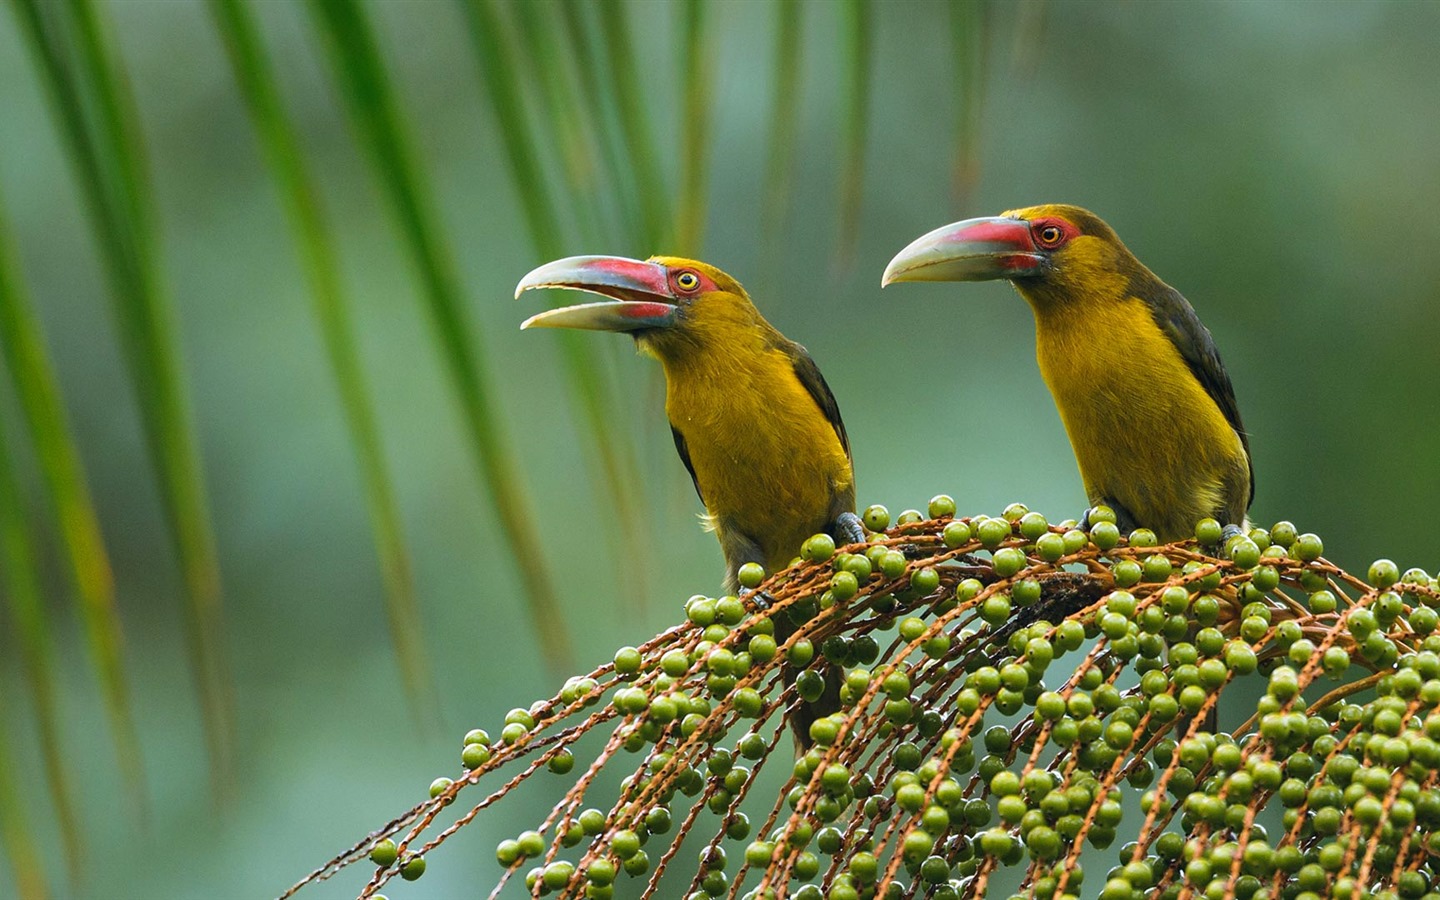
(639, 294)
(972, 250)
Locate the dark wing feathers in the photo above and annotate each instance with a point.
(685, 458)
(814, 382)
(1177, 319)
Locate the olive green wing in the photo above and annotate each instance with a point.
(1177, 319)
(814, 382)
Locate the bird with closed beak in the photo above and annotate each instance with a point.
(753, 419)
(1146, 402)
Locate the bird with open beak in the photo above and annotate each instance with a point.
(1139, 384)
(754, 421)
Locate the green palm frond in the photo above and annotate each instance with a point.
(316, 250)
(647, 178)
(588, 383)
(856, 51)
(696, 113)
(367, 92)
(98, 126)
(16, 834)
(967, 30)
(549, 65)
(600, 116)
(30, 372)
(785, 95)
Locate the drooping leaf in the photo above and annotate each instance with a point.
(780, 164)
(17, 835)
(967, 33)
(855, 56)
(366, 88)
(635, 124)
(695, 112)
(549, 64)
(255, 75)
(53, 446)
(99, 128)
(588, 381)
(601, 118)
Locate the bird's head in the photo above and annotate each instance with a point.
(667, 303)
(1053, 254)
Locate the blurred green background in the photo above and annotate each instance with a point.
(1275, 161)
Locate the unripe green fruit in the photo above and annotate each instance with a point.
(941, 505)
(750, 575)
(384, 853)
(818, 548)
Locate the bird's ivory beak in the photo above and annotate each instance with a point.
(639, 294)
(972, 250)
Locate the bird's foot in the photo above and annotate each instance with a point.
(849, 529)
(762, 599)
(1228, 534)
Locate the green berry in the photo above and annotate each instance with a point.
(1308, 548)
(1208, 532)
(1383, 573)
(992, 532)
(562, 762)
(1009, 561)
(844, 585)
(956, 534)
(508, 852)
(557, 874)
(750, 575)
(1033, 525)
(1104, 534)
(1050, 546)
(477, 736)
(412, 868)
(473, 756)
(924, 581)
(384, 853)
(818, 548)
(876, 518)
(941, 505)
(1244, 552)
(627, 661)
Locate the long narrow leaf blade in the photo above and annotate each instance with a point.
(588, 383)
(598, 114)
(967, 35)
(31, 373)
(107, 156)
(16, 834)
(255, 75)
(154, 357)
(634, 124)
(780, 164)
(855, 56)
(571, 123)
(696, 112)
(364, 84)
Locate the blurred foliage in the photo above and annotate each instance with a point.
(1271, 166)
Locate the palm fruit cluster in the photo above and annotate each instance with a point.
(1030, 709)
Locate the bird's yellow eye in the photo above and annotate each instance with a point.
(1050, 235)
(687, 281)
